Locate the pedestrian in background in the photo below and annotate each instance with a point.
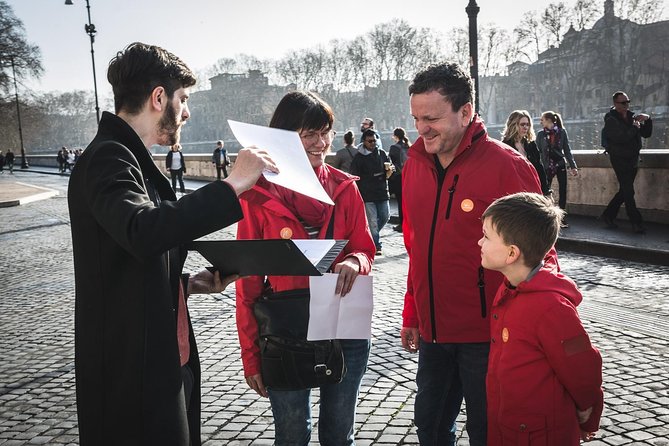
(453, 173)
(61, 159)
(271, 211)
(136, 362)
(622, 133)
(518, 133)
(220, 160)
(553, 144)
(544, 377)
(9, 160)
(344, 156)
(373, 167)
(368, 124)
(175, 163)
(398, 155)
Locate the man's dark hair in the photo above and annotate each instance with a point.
(348, 138)
(449, 79)
(302, 110)
(618, 93)
(137, 70)
(367, 133)
(528, 220)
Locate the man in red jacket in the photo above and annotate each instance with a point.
(453, 173)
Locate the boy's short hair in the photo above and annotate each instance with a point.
(528, 220)
(137, 70)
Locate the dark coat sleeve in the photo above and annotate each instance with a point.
(117, 196)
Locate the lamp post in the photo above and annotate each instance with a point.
(472, 10)
(90, 30)
(24, 164)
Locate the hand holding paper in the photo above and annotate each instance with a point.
(251, 162)
(335, 317)
(287, 151)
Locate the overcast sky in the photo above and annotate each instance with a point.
(202, 31)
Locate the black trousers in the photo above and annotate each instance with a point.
(220, 169)
(178, 175)
(561, 175)
(625, 171)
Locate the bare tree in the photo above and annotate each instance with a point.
(639, 11)
(584, 13)
(303, 68)
(358, 52)
(555, 19)
(15, 47)
(494, 50)
(530, 38)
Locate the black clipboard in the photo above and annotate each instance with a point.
(272, 257)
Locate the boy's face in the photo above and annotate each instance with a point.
(494, 252)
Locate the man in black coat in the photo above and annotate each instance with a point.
(622, 135)
(136, 361)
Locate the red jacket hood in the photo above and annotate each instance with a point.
(547, 280)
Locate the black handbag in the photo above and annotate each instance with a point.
(288, 360)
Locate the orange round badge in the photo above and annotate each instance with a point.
(286, 233)
(505, 334)
(467, 205)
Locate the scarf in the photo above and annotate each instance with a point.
(312, 212)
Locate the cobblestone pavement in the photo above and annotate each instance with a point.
(625, 310)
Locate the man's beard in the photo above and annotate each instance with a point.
(169, 131)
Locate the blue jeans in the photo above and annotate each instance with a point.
(378, 214)
(292, 409)
(446, 372)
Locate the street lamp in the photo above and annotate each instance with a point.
(90, 30)
(24, 164)
(472, 10)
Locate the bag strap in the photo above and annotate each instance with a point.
(329, 233)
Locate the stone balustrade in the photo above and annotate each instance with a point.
(587, 194)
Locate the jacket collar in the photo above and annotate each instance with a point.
(261, 194)
(113, 128)
(475, 133)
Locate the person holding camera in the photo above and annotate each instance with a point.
(622, 134)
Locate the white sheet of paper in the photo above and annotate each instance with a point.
(286, 149)
(314, 249)
(335, 317)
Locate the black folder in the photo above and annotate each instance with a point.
(272, 257)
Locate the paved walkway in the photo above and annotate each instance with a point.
(625, 310)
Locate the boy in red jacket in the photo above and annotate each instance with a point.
(544, 377)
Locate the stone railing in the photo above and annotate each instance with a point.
(587, 194)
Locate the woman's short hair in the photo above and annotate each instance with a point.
(302, 110)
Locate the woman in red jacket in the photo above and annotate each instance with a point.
(272, 211)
